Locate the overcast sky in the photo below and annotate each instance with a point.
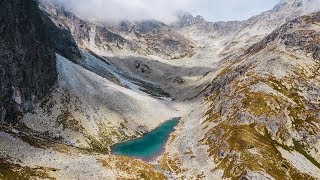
(216, 10)
(213, 10)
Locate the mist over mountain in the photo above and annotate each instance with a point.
(132, 10)
(114, 10)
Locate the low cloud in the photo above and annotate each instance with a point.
(117, 10)
(165, 10)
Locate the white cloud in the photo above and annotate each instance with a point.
(164, 10)
(116, 10)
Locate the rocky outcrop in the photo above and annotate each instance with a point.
(28, 42)
(144, 38)
(155, 38)
(163, 40)
(266, 104)
(265, 22)
(227, 38)
(296, 35)
(198, 23)
(61, 40)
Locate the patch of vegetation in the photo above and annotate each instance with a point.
(47, 104)
(11, 171)
(133, 168)
(299, 148)
(69, 122)
(107, 137)
(171, 164)
(259, 103)
(231, 152)
(303, 120)
(96, 146)
(290, 93)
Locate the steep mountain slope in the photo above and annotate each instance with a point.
(28, 41)
(263, 112)
(88, 110)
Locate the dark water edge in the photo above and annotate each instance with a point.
(150, 145)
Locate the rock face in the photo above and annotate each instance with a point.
(61, 40)
(28, 42)
(27, 64)
(262, 23)
(142, 38)
(187, 21)
(155, 38)
(226, 38)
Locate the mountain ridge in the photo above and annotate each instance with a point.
(145, 37)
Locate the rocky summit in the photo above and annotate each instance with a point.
(89, 99)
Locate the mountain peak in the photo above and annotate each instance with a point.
(308, 5)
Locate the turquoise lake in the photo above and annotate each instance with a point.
(149, 145)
